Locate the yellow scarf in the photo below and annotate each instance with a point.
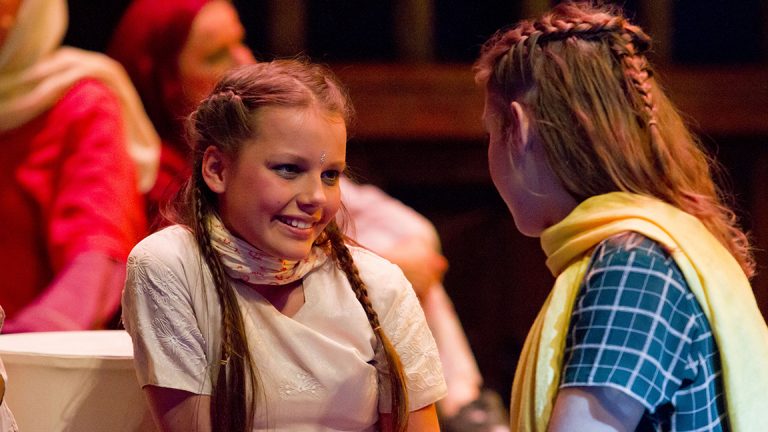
(713, 275)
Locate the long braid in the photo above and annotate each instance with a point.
(583, 72)
(230, 404)
(706, 206)
(628, 43)
(529, 35)
(399, 392)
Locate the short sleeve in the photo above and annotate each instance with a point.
(633, 324)
(407, 329)
(169, 348)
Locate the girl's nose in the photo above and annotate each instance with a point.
(313, 195)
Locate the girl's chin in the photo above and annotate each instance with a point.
(297, 253)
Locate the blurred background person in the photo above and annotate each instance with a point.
(78, 150)
(174, 51)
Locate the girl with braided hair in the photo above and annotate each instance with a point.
(651, 323)
(252, 313)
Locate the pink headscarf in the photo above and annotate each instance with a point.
(148, 41)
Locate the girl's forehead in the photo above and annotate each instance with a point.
(292, 117)
(298, 129)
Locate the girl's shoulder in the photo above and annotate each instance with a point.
(170, 236)
(168, 257)
(370, 264)
(384, 280)
(174, 243)
(635, 271)
(634, 248)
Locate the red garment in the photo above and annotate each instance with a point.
(174, 170)
(147, 42)
(68, 187)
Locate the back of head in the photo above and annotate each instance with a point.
(581, 73)
(147, 42)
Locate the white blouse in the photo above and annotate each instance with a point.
(321, 369)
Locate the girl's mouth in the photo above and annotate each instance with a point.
(295, 223)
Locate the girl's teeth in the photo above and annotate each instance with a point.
(298, 224)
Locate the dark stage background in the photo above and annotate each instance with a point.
(419, 137)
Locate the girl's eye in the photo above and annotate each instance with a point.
(286, 170)
(331, 177)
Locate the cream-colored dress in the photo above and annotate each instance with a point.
(320, 370)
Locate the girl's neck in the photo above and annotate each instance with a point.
(287, 299)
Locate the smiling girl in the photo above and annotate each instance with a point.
(252, 313)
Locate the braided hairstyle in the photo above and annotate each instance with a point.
(581, 73)
(227, 119)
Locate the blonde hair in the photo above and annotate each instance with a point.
(581, 73)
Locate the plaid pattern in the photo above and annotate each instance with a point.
(637, 327)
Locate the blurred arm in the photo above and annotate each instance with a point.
(594, 409)
(84, 296)
(395, 231)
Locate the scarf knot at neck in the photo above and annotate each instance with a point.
(243, 261)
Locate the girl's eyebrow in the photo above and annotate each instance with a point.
(288, 156)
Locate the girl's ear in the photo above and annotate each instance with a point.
(521, 126)
(215, 164)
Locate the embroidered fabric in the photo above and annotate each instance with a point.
(172, 328)
(414, 349)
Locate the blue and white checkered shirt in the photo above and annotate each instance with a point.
(637, 327)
